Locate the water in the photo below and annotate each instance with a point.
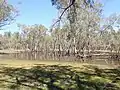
(101, 60)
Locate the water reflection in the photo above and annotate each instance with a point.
(101, 60)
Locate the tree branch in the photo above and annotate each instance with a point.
(71, 3)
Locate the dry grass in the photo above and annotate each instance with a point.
(29, 63)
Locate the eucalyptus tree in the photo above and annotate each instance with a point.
(16, 41)
(7, 13)
(33, 36)
(7, 40)
(59, 40)
(2, 42)
(65, 5)
(111, 37)
(87, 24)
(82, 20)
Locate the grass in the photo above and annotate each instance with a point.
(54, 75)
(29, 63)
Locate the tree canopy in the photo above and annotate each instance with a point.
(66, 5)
(7, 13)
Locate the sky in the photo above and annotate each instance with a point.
(42, 12)
(32, 12)
(111, 6)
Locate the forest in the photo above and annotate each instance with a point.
(81, 34)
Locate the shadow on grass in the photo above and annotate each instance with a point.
(56, 77)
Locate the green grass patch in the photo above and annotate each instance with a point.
(59, 77)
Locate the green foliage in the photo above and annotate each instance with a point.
(59, 3)
(7, 13)
(56, 77)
